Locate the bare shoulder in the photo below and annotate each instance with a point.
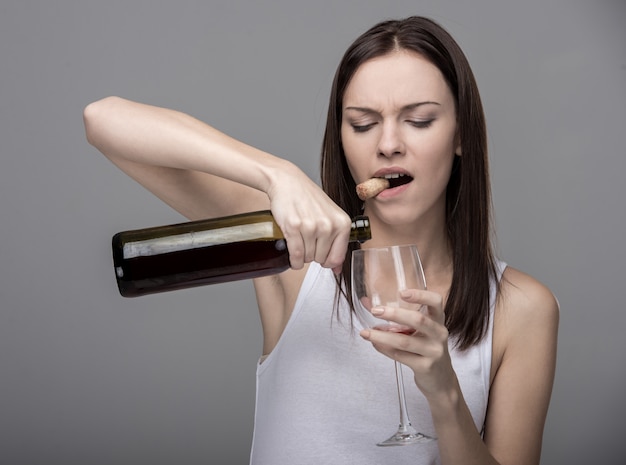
(525, 321)
(525, 301)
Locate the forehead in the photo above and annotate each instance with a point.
(399, 78)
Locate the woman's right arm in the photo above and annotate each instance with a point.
(203, 173)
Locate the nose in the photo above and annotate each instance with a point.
(390, 142)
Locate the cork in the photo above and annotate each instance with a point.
(371, 188)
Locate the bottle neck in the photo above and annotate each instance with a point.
(361, 230)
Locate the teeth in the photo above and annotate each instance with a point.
(393, 176)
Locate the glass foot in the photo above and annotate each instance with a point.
(404, 437)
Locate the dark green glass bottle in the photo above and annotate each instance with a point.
(197, 253)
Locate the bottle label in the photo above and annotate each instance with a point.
(199, 239)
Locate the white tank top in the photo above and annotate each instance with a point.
(326, 396)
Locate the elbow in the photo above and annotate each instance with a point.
(89, 115)
(94, 118)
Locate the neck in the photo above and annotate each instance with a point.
(432, 244)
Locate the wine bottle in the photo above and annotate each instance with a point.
(196, 253)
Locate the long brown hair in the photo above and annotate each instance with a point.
(468, 196)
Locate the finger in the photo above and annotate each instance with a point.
(320, 235)
(300, 234)
(423, 325)
(295, 246)
(432, 301)
(398, 346)
(417, 352)
(407, 318)
(308, 233)
(335, 254)
(331, 246)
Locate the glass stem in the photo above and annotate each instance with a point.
(405, 421)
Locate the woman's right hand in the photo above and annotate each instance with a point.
(315, 228)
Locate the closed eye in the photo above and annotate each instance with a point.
(363, 128)
(421, 124)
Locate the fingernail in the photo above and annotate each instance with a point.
(377, 311)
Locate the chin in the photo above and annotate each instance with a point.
(397, 215)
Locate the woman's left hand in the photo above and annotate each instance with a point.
(425, 351)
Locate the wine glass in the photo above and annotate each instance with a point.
(378, 276)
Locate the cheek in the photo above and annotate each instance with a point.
(440, 144)
(436, 158)
(441, 169)
(440, 160)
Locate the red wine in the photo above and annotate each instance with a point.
(197, 253)
(395, 328)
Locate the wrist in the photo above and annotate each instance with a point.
(445, 405)
(275, 173)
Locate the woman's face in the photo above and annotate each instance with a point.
(399, 121)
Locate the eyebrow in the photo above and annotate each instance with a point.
(408, 107)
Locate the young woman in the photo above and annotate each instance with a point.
(404, 103)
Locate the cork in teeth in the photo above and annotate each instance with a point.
(372, 187)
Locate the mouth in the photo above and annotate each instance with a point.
(397, 179)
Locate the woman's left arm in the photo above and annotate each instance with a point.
(525, 341)
(524, 351)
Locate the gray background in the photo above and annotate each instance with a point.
(87, 377)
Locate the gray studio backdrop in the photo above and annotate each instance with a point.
(87, 377)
